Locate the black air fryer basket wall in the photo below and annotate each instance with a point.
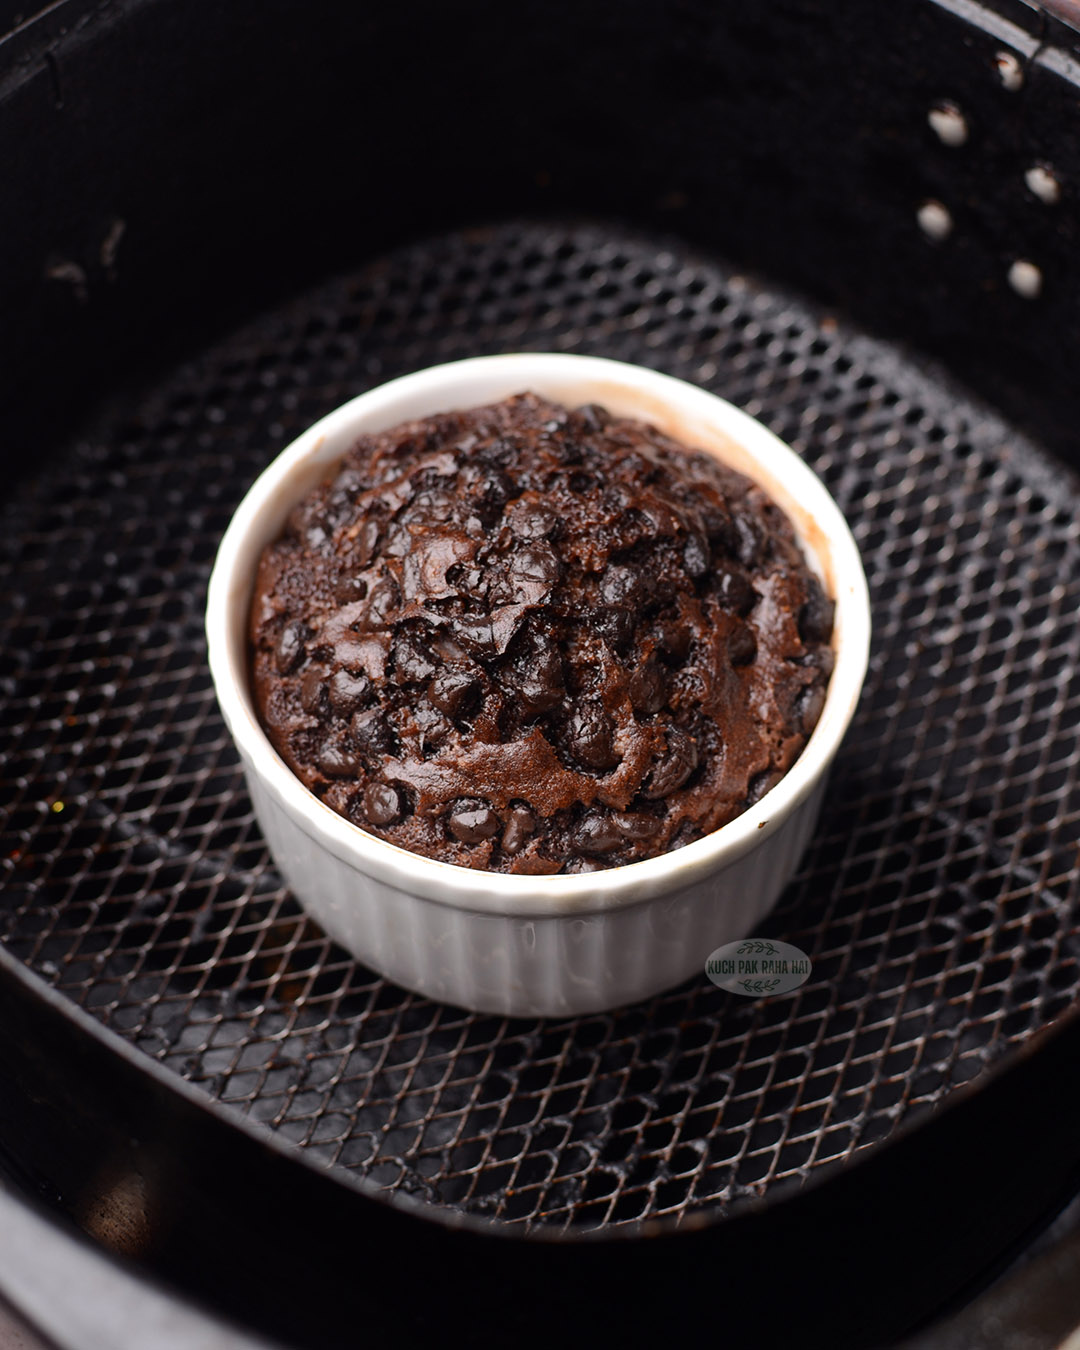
(857, 222)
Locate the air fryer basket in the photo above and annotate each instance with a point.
(784, 207)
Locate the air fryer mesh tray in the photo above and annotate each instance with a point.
(936, 901)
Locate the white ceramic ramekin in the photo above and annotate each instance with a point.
(518, 945)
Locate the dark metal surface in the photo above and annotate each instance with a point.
(1068, 11)
(1034, 1306)
(791, 137)
(78, 1298)
(794, 140)
(225, 1210)
(937, 901)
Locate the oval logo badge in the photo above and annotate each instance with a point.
(757, 967)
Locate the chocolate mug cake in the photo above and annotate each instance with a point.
(535, 640)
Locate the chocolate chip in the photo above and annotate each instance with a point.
(580, 481)
(336, 760)
(616, 627)
(748, 537)
(566, 450)
(617, 498)
(502, 452)
(432, 726)
(530, 520)
(678, 762)
(590, 736)
(372, 732)
(736, 593)
(635, 825)
(760, 784)
(597, 833)
(465, 578)
(338, 510)
(411, 663)
(632, 527)
(537, 681)
(429, 479)
(397, 541)
(520, 825)
(290, 647)
(673, 639)
(363, 546)
(449, 651)
(817, 614)
(472, 822)
(721, 529)
(742, 645)
(348, 692)
(491, 490)
(383, 804)
(696, 556)
(431, 508)
(476, 633)
(455, 692)
(384, 598)
(577, 865)
(687, 832)
(591, 418)
(648, 688)
(313, 689)
(809, 702)
(349, 483)
(408, 444)
(623, 585)
(536, 563)
(349, 589)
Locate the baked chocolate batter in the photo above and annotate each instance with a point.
(536, 640)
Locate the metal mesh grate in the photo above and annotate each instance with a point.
(936, 901)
